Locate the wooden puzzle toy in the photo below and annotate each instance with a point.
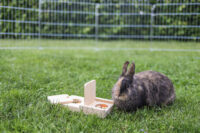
(89, 104)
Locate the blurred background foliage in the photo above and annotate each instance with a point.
(69, 18)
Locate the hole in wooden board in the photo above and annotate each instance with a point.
(102, 106)
(76, 101)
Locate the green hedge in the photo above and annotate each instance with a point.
(24, 17)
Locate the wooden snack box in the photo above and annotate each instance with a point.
(89, 104)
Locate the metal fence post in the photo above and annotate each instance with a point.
(152, 21)
(1, 30)
(39, 17)
(96, 21)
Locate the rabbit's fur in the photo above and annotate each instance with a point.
(145, 88)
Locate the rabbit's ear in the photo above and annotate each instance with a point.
(124, 70)
(131, 71)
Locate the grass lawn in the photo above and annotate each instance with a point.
(28, 76)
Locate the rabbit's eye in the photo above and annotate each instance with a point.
(124, 86)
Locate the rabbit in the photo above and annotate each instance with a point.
(148, 88)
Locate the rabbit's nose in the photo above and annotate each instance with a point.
(116, 96)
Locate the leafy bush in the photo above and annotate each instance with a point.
(63, 18)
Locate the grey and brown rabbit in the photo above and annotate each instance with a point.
(145, 88)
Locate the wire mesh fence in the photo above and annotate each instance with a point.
(107, 19)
